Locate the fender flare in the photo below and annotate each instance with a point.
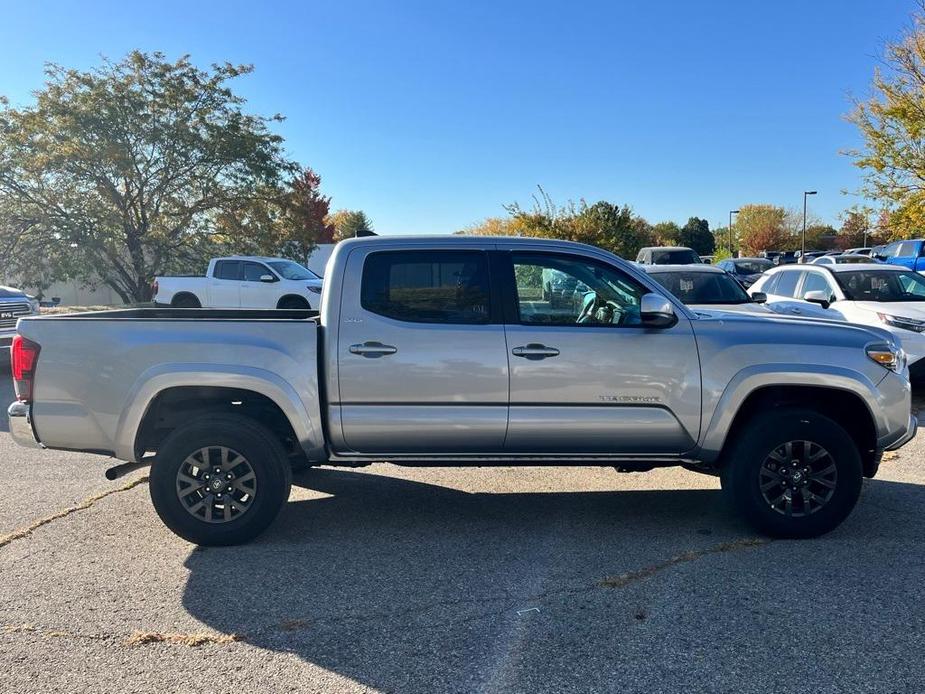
(163, 377)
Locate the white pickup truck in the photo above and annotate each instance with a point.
(243, 282)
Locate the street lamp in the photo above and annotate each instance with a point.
(731, 212)
(803, 243)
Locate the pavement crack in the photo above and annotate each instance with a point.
(82, 506)
(625, 579)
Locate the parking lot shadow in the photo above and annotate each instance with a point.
(406, 586)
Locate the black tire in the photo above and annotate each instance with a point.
(186, 301)
(751, 462)
(293, 302)
(261, 451)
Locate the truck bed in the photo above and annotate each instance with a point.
(203, 314)
(98, 372)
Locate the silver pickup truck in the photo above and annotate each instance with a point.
(445, 351)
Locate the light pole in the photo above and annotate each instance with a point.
(731, 212)
(803, 243)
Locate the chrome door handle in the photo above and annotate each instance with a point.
(795, 310)
(534, 351)
(372, 350)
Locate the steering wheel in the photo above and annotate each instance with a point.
(589, 306)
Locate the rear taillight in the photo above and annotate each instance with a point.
(24, 355)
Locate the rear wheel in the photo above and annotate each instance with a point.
(186, 301)
(220, 480)
(792, 473)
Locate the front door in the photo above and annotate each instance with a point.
(586, 376)
(422, 362)
(254, 292)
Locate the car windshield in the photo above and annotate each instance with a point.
(290, 270)
(702, 287)
(882, 285)
(753, 267)
(677, 256)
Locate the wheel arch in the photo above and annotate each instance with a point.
(190, 392)
(296, 297)
(844, 406)
(183, 295)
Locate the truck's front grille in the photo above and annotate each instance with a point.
(11, 311)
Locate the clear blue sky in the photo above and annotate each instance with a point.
(431, 115)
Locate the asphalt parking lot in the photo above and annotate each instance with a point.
(388, 579)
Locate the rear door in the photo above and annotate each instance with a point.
(225, 284)
(586, 377)
(422, 360)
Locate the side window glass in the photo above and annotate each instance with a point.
(427, 286)
(816, 282)
(569, 290)
(254, 271)
(228, 270)
(770, 287)
(787, 283)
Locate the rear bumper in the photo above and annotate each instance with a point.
(19, 415)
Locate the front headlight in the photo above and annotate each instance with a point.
(902, 322)
(889, 357)
(34, 304)
(313, 289)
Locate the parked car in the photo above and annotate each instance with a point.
(746, 270)
(667, 255)
(707, 259)
(705, 287)
(908, 254)
(14, 304)
(880, 295)
(810, 256)
(842, 258)
(442, 351)
(859, 251)
(243, 282)
(786, 258)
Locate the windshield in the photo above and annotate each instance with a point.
(679, 256)
(702, 287)
(882, 285)
(289, 270)
(753, 267)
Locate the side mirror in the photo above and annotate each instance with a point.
(655, 311)
(267, 278)
(817, 296)
(760, 298)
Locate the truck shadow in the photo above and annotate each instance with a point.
(406, 586)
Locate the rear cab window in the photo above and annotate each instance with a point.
(228, 270)
(427, 286)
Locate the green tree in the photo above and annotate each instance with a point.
(696, 234)
(892, 124)
(666, 234)
(127, 166)
(761, 228)
(348, 223)
(856, 230)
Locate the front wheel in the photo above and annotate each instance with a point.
(792, 473)
(220, 480)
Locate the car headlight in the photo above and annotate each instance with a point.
(902, 322)
(34, 304)
(313, 289)
(889, 357)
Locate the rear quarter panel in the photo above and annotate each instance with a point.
(96, 377)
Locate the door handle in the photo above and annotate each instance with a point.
(372, 350)
(534, 351)
(794, 309)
